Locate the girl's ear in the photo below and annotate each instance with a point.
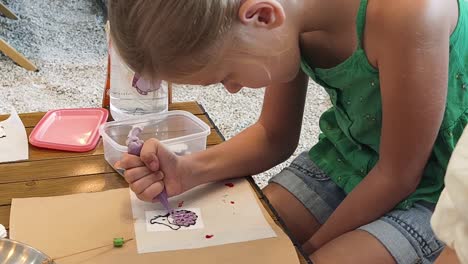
(267, 14)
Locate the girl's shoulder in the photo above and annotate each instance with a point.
(409, 24)
(403, 17)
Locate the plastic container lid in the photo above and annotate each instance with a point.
(69, 129)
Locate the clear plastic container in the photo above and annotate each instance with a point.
(180, 131)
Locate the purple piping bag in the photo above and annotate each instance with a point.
(135, 144)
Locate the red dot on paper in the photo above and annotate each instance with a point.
(208, 236)
(229, 184)
(232, 202)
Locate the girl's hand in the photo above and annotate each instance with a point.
(156, 169)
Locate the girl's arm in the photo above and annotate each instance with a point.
(448, 256)
(412, 57)
(271, 140)
(266, 143)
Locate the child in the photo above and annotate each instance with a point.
(396, 73)
(450, 219)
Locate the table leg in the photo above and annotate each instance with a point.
(169, 92)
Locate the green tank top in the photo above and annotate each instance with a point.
(348, 146)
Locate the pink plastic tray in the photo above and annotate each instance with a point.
(69, 129)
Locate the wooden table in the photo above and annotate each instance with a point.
(50, 172)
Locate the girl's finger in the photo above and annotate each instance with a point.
(151, 192)
(133, 175)
(142, 184)
(148, 154)
(129, 161)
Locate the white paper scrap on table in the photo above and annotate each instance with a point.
(227, 214)
(3, 231)
(13, 139)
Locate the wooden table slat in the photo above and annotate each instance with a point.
(61, 186)
(214, 138)
(51, 169)
(31, 119)
(36, 153)
(192, 107)
(5, 215)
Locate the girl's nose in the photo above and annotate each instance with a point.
(232, 87)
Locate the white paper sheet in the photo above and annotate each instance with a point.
(13, 139)
(228, 215)
(3, 231)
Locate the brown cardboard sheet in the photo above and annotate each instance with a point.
(80, 229)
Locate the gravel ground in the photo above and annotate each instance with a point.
(66, 40)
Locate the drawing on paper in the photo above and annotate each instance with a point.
(176, 219)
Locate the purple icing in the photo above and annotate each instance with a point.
(176, 219)
(134, 143)
(184, 218)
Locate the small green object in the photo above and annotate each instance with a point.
(118, 242)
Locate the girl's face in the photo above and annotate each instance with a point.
(269, 53)
(248, 71)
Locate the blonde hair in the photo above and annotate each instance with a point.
(171, 37)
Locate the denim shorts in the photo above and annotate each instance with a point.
(406, 234)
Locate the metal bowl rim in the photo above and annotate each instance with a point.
(26, 246)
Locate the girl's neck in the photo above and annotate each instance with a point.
(322, 15)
